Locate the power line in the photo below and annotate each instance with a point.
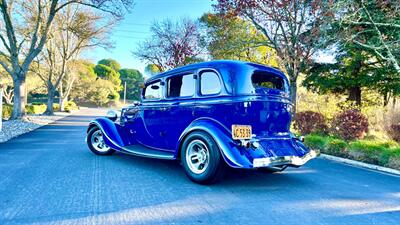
(135, 24)
(132, 31)
(130, 37)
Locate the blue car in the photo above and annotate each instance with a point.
(208, 115)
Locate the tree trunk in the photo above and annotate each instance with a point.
(50, 100)
(355, 95)
(8, 95)
(19, 98)
(64, 95)
(61, 100)
(293, 95)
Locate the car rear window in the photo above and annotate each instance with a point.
(181, 86)
(261, 79)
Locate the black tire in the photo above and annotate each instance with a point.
(216, 165)
(92, 148)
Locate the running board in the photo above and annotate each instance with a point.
(143, 151)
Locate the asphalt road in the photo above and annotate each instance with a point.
(50, 177)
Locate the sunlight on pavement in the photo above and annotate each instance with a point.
(395, 195)
(162, 212)
(349, 206)
(300, 171)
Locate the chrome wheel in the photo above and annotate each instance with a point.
(97, 141)
(197, 156)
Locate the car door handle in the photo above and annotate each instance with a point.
(163, 109)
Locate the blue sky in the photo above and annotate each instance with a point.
(136, 25)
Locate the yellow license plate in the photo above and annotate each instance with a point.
(241, 132)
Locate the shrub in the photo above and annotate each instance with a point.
(70, 106)
(394, 132)
(7, 110)
(37, 103)
(35, 109)
(350, 125)
(56, 107)
(308, 122)
(337, 147)
(315, 142)
(370, 151)
(394, 159)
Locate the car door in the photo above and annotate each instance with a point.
(211, 102)
(180, 106)
(150, 124)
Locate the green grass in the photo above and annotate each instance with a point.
(379, 152)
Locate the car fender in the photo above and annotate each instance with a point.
(111, 132)
(232, 153)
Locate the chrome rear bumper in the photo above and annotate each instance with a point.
(284, 160)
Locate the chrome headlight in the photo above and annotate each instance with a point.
(112, 115)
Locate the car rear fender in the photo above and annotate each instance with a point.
(230, 150)
(111, 132)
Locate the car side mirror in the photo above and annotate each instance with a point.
(112, 115)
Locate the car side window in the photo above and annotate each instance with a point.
(153, 91)
(209, 83)
(181, 86)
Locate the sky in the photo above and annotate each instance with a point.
(135, 27)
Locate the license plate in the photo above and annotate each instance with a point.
(241, 132)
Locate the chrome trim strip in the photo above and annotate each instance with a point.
(147, 155)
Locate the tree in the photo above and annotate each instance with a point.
(353, 70)
(291, 28)
(112, 63)
(21, 48)
(108, 73)
(133, 79)
(74, 30)
(356, 66)
(6, 84)
(92, 89)
(231, 37)
(152, 69)
(373, 26)
(171, 44)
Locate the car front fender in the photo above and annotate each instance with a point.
(232, 153)
(111, 132)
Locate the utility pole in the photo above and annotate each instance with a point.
(124, 92)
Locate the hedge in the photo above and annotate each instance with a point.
(36, 108)
(383, 153)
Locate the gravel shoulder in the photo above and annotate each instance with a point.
(14, 128)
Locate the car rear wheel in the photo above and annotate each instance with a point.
(96, 142)
(201, 158)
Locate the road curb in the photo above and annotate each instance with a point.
(360, 164)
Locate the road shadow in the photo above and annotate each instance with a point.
(232, 177)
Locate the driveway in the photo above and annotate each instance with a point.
(49, 176)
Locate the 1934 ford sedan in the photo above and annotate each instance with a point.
(207, 115)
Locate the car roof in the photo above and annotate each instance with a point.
(216, 64)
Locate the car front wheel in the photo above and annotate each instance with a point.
(201, 158)
(96, 143)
